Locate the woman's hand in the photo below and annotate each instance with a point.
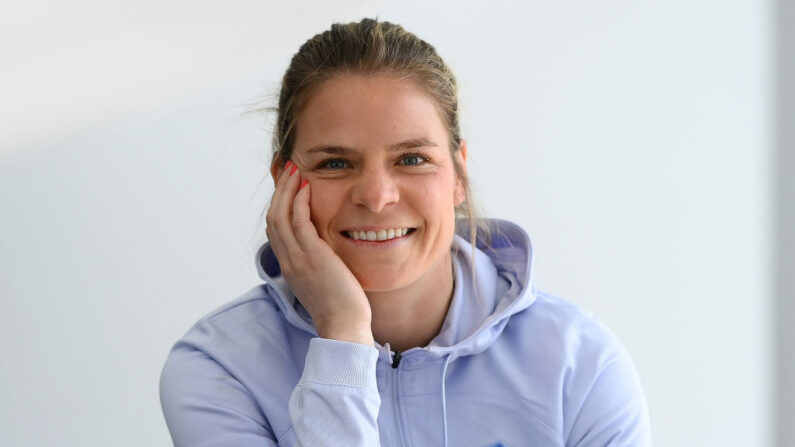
(317, 276)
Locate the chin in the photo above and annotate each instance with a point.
(376, 280)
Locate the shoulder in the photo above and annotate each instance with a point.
(247, 316)
(221, 366)
(601, 394)
(208, 380)
(250, 325)
(562, 327)
(236, 341)
(257, 302)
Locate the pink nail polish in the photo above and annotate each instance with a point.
(293, 169)
(304, 182)
(287, 165)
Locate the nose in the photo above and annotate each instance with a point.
(375, 189)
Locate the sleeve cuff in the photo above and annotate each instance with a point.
(335, 362)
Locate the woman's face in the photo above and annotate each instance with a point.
(376, 154)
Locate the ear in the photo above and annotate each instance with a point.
(460, 189)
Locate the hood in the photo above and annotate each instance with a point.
(492, 282)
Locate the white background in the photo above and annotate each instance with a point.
(633, 140)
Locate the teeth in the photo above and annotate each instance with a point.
(381, 235)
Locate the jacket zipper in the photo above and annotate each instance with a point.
(396, 398)
(396, 359)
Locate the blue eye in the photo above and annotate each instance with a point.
(336, 163)
(413, 160)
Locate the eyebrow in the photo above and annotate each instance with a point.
(397, 147)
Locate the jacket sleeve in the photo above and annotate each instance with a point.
(205, 406)
(613, 412)
(336, 402)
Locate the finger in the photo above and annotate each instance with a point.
(276, 244)
(271, 214)
(305, 232)
(280, 212)
(281, 180)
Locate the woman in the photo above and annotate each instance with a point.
(382, 321)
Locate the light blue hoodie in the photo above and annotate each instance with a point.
(511, 367)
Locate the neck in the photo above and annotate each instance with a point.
(412, 316)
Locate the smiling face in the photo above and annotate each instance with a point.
(377, 156)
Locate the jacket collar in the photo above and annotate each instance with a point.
(492, 282)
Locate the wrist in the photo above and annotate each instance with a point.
(345, 331)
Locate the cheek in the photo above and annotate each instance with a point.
(437, 198)
(324, 204)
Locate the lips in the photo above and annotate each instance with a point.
(377, 235)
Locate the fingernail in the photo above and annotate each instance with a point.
(303, 183)
(287, 165)
(293, 169)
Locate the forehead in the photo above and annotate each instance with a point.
(368, 109)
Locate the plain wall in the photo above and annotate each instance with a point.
(633, 140)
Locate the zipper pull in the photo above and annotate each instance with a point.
(396, 359)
